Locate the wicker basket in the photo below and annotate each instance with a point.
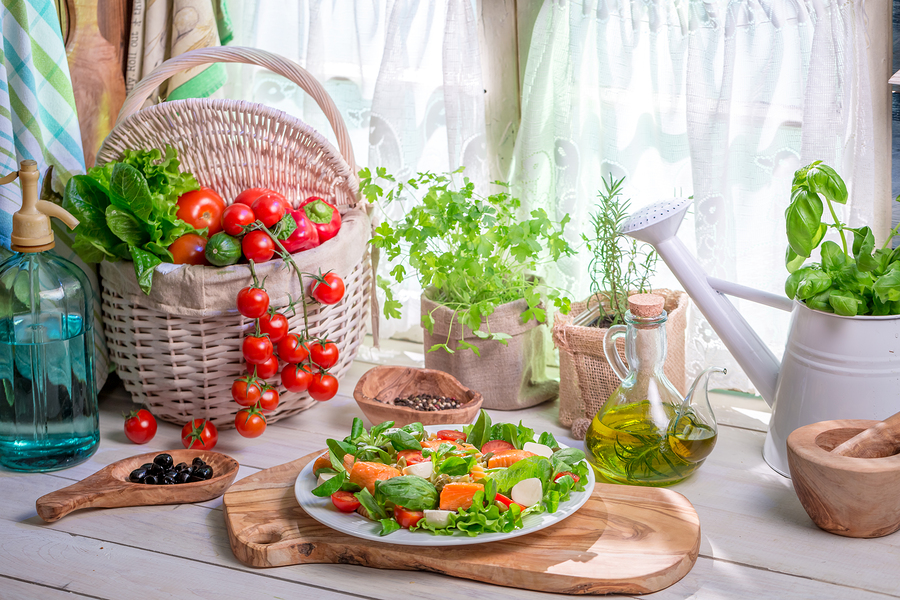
(178, 354)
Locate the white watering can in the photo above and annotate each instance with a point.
(833, 367)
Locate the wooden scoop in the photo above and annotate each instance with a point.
(109, 487)
(876, 442)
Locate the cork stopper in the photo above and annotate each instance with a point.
(31, 224)
(646, 306)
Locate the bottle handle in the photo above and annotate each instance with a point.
(612, 353)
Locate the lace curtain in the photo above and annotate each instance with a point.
(721, 99)
(406, 76)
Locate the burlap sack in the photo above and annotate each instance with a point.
(585, 378)
(510, 376)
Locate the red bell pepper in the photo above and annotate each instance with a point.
(304, 237)
(324, 216)
(506, 502)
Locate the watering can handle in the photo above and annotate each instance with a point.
(612, 353)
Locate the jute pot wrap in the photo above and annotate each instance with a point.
(510, 376)
(587, 380)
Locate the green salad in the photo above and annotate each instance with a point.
(483, 478)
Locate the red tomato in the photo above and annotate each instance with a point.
(268, 208)
(257, 350)
(249, 422)
(324, 354)
(324, 216)
(323, 386)
(246, 394)
(140, 426)
(345, 501)
(506, 501)
(236, 217)
(496, 446)
(200, 434)
(252, 302)
(407, 518)
(296, 378)
(249, 196)
(275, 326)
(258, 246)
(269, 400)
(329, 292)
(202, 208)
(413, 457)
(451, 435)
(569, 473)
(189, 249)
(266, 370)
(293, 349)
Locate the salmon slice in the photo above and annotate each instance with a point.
(458, 495)
(508, 457)
(323, 462)
(365, 474)
(435, 444)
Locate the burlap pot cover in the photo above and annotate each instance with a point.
(587, 380)
(510, 376)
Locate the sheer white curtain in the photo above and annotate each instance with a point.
(722, 99)
(405, 74)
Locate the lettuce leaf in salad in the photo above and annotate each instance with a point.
(409, 491)
(533, 466)
(480, 518)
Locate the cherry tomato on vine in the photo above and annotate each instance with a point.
(293, 349)
(246, 393)
(201, 209)
(258, 246)
(268, 208)
(200, 434)
(236, 217)
(265, 370)
(249, 422)
(323, 354)
(275, 326)
(257, 350)
(140, 426)
(323, 386)
(269, 400)
(252, 302)
(329, 292)
(249, 196)
(296, 378)
(345, 501)
(189, 249)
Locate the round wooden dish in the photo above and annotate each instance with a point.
(379, 387)
(109, 487)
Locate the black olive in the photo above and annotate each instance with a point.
(164, 460)
(138, 475)
(194, 478)
(198, 462)
(151, 480)
(182, 477)
(181, 467)
(147, 466)
(156, 469)
(167, 480)
(190, 470)
(205, 472)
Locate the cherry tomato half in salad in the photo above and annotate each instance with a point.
(257, 350)
(269, 400)
(266, 370)
(296, 378)
(323, 387)
(200, 434)
(244, 393)
(250, 422)
(451, 435)
(413, 457)
(496, 446)
(407, 518)
(293, 349)
(140, 426)
(201, 209)
(329, 292)
(252, 302)
(564, 473)
(189, 249)
(275, 326)
(258, 246)
(324, 354)
(236, 217)
(346, 501)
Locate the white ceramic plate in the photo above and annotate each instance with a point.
(323, 511)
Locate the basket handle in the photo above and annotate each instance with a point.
(248, 56)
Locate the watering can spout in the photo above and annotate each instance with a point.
(657, 225)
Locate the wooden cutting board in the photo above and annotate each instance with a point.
(625, 539)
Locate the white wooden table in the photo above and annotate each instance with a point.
(757, 540)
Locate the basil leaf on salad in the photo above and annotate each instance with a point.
(381, 427)
(548, 440)
(388, 526)
(330, 486)
(408, 491)
(566, 457)
(481, 430)
(417, 430)
(367, 500)
(455, 466)
(340, 449)
(356, 430)
(402, 440)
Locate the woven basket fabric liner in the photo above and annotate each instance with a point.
(587, 380)
(206, 292)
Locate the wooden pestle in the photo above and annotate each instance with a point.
(876, 442)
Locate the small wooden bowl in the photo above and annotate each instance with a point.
(853, 497)
(379, 387)
(109, 487)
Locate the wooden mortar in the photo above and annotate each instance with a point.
(853, 497)
(876, 442)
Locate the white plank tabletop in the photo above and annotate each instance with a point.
(757, 542)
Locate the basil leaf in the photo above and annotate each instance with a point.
(381, 427)
(340, 449)
(887, 287)
(481, 430)
(356, 429)
(548, 440)
(510, 434)
(813, 282)
(825, 180)
(525, 434)
(490, 491)
(803, 219)
(565, 458)
(144, 266)
(408, 491)
(846, 303)
(863, 246)
(330, 486)
(833, 258)
(792, 261)
(368, 502)
(402, 440)
(820, 302)
(388, 526)
(417, 430)
(456, 466)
